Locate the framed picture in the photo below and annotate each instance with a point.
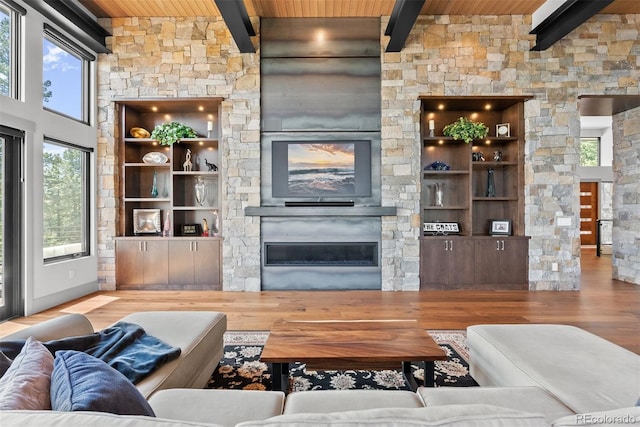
(500, 227)
(146, 221)
(503, 129)
(441, 228)
(191, 229)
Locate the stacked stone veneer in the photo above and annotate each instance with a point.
(444, 55)
(626, 196)
(185, 58)
(490, 55)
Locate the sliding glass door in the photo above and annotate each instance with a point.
(11, 298)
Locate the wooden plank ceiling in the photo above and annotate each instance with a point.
(326, 8)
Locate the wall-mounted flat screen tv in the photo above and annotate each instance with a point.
(321, 169)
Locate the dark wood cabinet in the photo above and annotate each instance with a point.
(461, 171)
(195, 264)
(446, 263)
(142, 264)
(168, 263)
(502, 262)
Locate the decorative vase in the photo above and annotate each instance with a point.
(167, 230)
(439, 194)
(491, 185)
(200, 191)
(154, 186)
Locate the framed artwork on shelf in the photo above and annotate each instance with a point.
(500, 227)
(191, 229)
(146, 221)
(503, 129)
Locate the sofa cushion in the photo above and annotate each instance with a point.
(5, 362)
(553, 357)
(530, 399)
(226, 407)
(323, 401)
(25, 385)
(81, 382)
(92, 419)
(617, 417)
(450, 415)
(69, 325)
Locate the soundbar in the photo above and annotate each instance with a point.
(349, 203)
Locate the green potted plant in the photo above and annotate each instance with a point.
(466, 130)
(172, 132)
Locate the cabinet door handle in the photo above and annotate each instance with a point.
(450, 245)
(140, 246)
(502, 244)
(195, 246)
(497, 245)
(446, 245)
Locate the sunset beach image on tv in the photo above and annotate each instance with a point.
(324, 169)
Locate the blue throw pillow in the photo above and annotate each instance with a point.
(81, 382)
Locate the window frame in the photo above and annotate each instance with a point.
(15, 12)
(87, 60)
(598, 141)
(87, 154)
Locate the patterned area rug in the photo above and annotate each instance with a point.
(241, 368)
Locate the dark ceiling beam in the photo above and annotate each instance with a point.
(564, 20)
(74, 20)
(237, 19)
(404, 15)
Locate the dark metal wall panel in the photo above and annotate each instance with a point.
(320, 74)
(320, 37)
(320, 94)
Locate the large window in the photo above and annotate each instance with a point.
(8, 50)
(66, 201)
(589, 151)
(65, 76)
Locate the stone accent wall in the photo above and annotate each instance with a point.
(188, 58)
(489, 55)
(626, 196)
(444, 55)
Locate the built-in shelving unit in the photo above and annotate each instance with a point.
(175, 253)
(465, 198)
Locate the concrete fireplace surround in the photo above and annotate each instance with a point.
(444, 55)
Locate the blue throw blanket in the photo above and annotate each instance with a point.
(124, 346)
(129, 349)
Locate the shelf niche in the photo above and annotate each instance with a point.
(460, 261)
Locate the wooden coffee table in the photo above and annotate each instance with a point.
(343, 345)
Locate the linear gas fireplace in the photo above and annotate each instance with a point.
(335, 254)
(321, 253)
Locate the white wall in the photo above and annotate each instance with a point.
(51, 284)
(598, 126)
(602, 127)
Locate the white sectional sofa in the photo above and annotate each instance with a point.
(530, 376)
(560, 370)
(199, 335)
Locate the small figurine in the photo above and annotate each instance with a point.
(212, 167)
(497, 156)
(477, 157)
(187, 166)
(205, 227)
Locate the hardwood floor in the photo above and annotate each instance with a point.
(606, 307)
